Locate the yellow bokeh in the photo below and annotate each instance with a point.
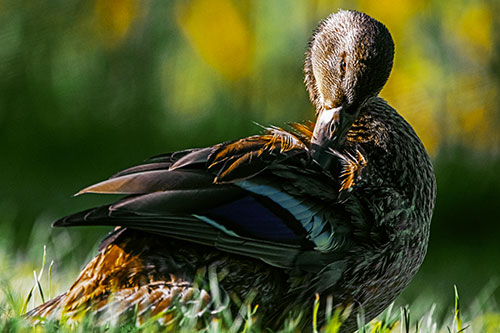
(394, 14)
(114, 19)
(471, 104)
(474, 26)
(413, 89)
(440, 82)
(189, 87)
(488, 322)
(220, 34)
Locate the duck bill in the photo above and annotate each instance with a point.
(329, 133)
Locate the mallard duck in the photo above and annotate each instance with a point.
(339, 208)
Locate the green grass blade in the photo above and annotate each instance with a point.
(458, 316)
(405, 319)
(50, 279)
(26, 300)
(315, 313)
(37, 283)
(361, 321)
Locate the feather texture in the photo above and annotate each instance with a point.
(341, 207)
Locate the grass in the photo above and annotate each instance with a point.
(43, 272)
(392, 320)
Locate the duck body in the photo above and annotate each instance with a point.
(277, 217)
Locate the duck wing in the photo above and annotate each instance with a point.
(260, 197)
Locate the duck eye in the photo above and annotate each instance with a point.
(342, 66)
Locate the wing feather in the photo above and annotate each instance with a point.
(204, 195)
(152, 181)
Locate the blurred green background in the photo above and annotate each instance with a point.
(88, 88)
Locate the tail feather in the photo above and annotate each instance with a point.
(119, 284)
(50, 310)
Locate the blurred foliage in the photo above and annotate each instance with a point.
(90, 87)
(221, 35)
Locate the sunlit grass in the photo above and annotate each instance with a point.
(28, 280)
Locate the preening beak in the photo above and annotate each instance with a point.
(330, 131)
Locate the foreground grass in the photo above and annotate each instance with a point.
(30, 279)
(392, 320)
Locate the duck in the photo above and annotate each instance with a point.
(338, 209)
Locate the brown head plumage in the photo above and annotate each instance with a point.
(348, 61)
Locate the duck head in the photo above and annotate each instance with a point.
(348, 61)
